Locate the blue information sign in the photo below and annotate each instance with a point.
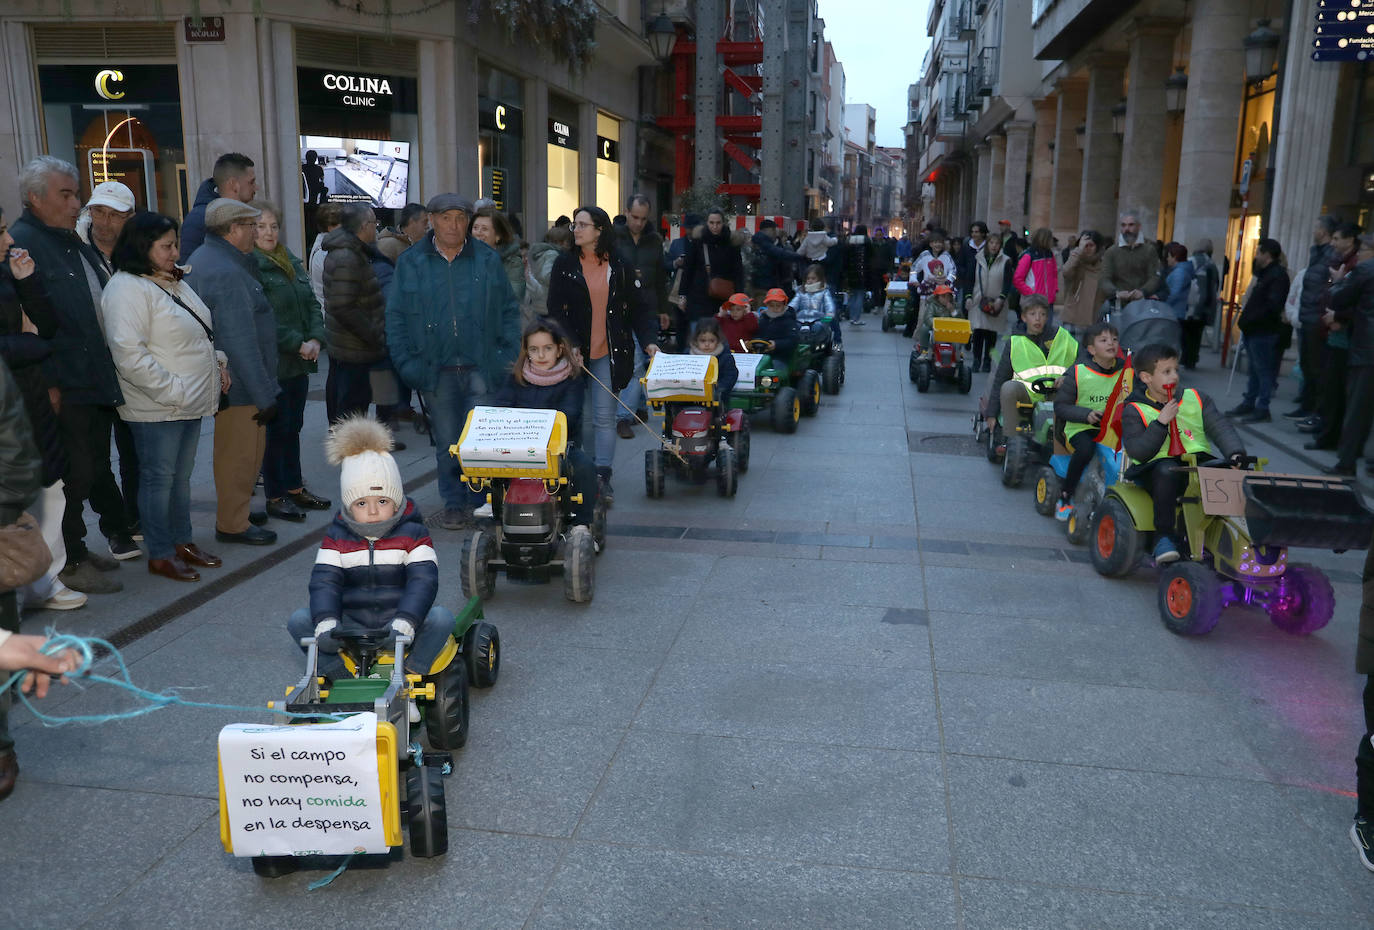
(1344, 30)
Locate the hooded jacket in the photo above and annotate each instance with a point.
(392, 243)
(627, 315)
(193, 227)
(245, 327)
(354, 308)
(1037, 273)
(366, 583)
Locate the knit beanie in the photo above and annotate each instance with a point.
(361, 447)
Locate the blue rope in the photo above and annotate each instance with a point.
(321, 882)
(156, 700)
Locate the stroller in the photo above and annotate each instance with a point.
(1146, 322)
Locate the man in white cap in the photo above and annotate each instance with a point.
(105, 214)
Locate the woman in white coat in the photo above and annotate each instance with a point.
(161, 336)
(987, 300)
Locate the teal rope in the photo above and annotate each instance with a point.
(156, 700)
(321, 882)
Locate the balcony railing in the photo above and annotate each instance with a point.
(987, 70)
(959, 19)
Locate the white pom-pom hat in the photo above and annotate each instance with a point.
(361, 447)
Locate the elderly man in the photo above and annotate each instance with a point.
(1130, 269)
(224, 274)
(453, 329)
(86, 387)
(354, 309)
(642, 249)
(233, 178)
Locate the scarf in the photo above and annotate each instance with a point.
(719, 349)
(282, 259)
(373, 530)
(544, 378)
(771, 314)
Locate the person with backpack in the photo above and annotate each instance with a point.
(1203, 295)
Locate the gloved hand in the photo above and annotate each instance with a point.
(403, 628)
(266, 414)
(323, 640)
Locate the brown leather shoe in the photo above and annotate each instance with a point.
(192, 554)
(173, 568)
(9, 772)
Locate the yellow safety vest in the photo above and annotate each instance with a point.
(1094, 390)
(1028, 362)
(1189, 421)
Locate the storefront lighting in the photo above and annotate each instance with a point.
(1081, 135)
(1119, 118)
(1176, 91)
(662, 36)
(1261, 52)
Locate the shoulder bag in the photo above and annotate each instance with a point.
(24, 556)
(717, 288)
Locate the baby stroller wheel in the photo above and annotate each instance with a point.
(426, 811)
(446, 719)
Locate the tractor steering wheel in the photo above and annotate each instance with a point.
(758, 346)
(1043, 385)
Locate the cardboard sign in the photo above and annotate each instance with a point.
(1223, 494)
(748, 365)
(303, 790)
(677, 375)
(507, 437)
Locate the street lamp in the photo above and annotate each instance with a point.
(1082, 136)
(1119, 118)
(662, 36)
(1176, 91)
(1261, 52)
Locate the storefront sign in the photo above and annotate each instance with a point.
(204, 28)
(494, 186)
(562, 134)
(107, 81)
(352, 90)
(500, 117)
(607, 149)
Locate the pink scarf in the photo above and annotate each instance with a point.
(542, 378)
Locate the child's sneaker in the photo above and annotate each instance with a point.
(483, 512)
(1362, 835)
(1165, 551)
(1063, 510)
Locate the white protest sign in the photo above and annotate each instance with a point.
(897, 287)
(674, 375)
(507, 437)
(748, 365)
(303, 790)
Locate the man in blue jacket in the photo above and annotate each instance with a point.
(453, 329)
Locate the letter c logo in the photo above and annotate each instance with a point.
(500, 117)
(103, 81)
(606, 148)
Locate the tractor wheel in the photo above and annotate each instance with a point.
(274, 866)
(1014, 464)
(1047, 487)
(786, 410)
(913, 366)
(832, 374)
(1308, 603)
(727, 472)
(478, 577)
(579, 567)
(446, 718)
(887, 322)
(809, 392)
(482, 652)
(426, 812)
(965, 378)
(1190, 599)
(923, 376)
(1113, 539)
(1080, 520)
(740, 443)
(654, 478)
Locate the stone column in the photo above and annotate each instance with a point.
(1066, 187)
(464, 106)
(1216, 88)
(1014, 183)
(536, 155)
(21, 137)
(1102, 149)
(1042, 161)
(586, 153)
(280, 170)
(1302, 146)
(438, 123)
(997, 179)
(1142, 147)
(982, 154)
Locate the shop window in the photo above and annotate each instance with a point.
(501, 140)
(564, 167)
(608, 164)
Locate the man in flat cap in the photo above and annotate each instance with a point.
(225, 275)
(453, 329)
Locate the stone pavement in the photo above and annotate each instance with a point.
(876, 690)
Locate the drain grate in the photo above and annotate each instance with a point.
(943, 444)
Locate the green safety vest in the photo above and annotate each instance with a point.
(1029, 363)
(1094, 390)
(1189, 420)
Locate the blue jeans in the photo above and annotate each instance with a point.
(856, 304)
(603, 408)
(166, 456)
(430, 637)
(1263, 349)
(633, 395)
(457, 391)
(281, 462)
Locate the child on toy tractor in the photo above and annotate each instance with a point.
(376, 568)
(1081, 402)
(778, 327)
(709, 339)
(939, 303)
(814, 305)
(933, 268)
(1043, 352)
(1159, 425)
(738, 322)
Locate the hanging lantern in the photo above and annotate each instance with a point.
(662, 36)
(1176, 91)
(1261, 52)
(1081, 134)
(1119, 118)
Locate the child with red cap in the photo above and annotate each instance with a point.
(738, 324)
(779, 327)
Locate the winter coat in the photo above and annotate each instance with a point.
(1352, 300)
(815, 244)
(966, 265)
(1177, 285)
(167, 365)
(737, 333)
(783, 331)
(21, 467)
(354, 308)
(1037, 272)
(627, 316)
(444, 313)
(392, 243)
(1208, 276)
(924, 273)
(80, 363)
(542, 255)
(812, 308)
(645, 257)
(990, 280)
(24, 353)
(514, 263)
(1081, 275)
(297, 314)
(1128, 268)
(365, 584)
(1263, 310)
(193, 227)
(774, 265)
(1141, 442)
(725, 261)
(1315, 279)
(858, 256)
(315, 263)
(245, 326)
(727, 374)
(567, 396)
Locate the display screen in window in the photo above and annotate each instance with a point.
(371, 171)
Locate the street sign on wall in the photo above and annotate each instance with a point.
(1344, 31)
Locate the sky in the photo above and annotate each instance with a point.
(881, 44)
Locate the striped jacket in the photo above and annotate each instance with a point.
(367, 583)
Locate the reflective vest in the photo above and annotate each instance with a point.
(1189, 421)
(1028, 362)
(1094, 390)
